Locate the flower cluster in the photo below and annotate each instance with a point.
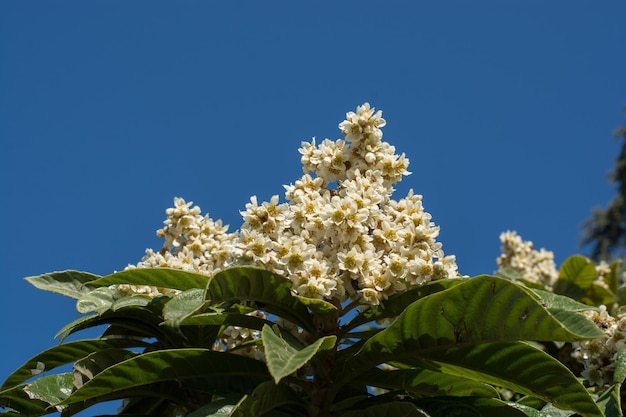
(602, 270)
(125, 290)
(192, 242)
(339, 234)
(598, 356)
(536, 266)
(241, 340)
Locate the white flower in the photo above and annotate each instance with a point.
(352, 261)
(293, 253)
(268, 217)
(371, 296)
(363, 124)
(599, 356)
(255, 246)
(594, 375)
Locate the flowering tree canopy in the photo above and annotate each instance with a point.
(337, 302)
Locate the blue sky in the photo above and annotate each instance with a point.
(108, 110)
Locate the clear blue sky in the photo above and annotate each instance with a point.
(108, 110)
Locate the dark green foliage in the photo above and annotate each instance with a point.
(450, 349)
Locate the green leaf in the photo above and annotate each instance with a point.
(162, 395)
(202, 327)
(554, 301)
(51, 388)
(551, 411)
(140, 322)
(321, 308)
(609, 401)
(97, 301)
(578, 269)
(469, 319)
(156, 277)
(612, 278)
(510, 273)
(64, 354)
(222, 385)
(87, 368)
(514, 275)
(22, 405)
(167, 365)
(576, 275)
(182, 305)
(147, 405)
(577, 323)
(225, 319)
(219, 408)
(267, 397)
(69, 283)
(270, 291)
(598, 295)
(470, 406)
(422, 382)
(75, 325)
(131, 301)
(533, 402)
(619, 374)
(345, 403)
(479, 310)
(391, 409)
(284, 359)
(533, 412)
(519, 367)
(396, 303)
(621, 301)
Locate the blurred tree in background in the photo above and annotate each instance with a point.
(605, 231)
